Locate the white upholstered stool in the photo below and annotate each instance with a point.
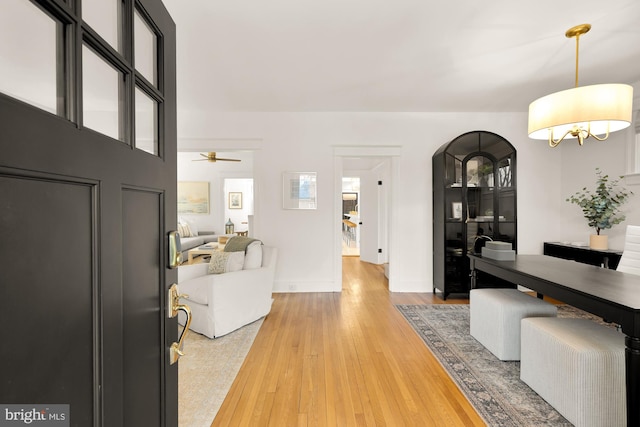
(578, 366)
(495, 314)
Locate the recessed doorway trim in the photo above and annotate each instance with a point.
(340, 152)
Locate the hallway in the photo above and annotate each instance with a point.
(349, 358)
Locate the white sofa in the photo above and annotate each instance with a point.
(222, 303)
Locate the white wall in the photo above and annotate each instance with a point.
(578, 171)
(305, 142)
(214, 173)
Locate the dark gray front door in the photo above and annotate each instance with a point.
(87, 198)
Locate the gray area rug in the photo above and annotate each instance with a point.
(207, 371)
(493, 387)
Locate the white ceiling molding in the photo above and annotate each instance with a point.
(367, 151)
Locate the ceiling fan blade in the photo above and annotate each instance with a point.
(211, 157)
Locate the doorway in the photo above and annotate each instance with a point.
(365, 222)
(232, 197)
(350, 216)
(223, 178)
(380, 167)
(238, 202)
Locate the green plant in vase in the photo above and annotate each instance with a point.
(601, 207)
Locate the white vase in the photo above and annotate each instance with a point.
(598, 241)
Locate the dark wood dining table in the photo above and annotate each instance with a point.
(612, 295)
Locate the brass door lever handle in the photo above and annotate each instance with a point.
(176, 349)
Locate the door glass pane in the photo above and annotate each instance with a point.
(28, 39)
(105, 17)
(145, 49)
(146, 123)
(101, 88)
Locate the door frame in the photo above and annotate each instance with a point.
(391, 152)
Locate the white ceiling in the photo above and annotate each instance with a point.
(400, 55)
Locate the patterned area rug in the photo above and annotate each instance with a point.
(207, 371)
(493, 387)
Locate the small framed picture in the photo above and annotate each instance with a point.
(299, 190)
(456, 210)
(235, 200)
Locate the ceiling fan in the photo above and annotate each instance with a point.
(211, 157)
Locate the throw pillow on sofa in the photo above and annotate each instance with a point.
(184, 230)
(193, 228)
(226, 262)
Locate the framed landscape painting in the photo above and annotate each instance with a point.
(193, 197)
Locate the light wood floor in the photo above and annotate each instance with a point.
(344, 359)
(349, 247)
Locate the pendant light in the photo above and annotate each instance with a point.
(581, 112)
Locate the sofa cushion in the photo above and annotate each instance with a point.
(253, 256)
(225, 262)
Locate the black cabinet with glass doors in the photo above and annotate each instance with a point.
(474, 201)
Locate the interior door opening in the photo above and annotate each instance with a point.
(238, 202)
(365, 207)
(350, 216)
